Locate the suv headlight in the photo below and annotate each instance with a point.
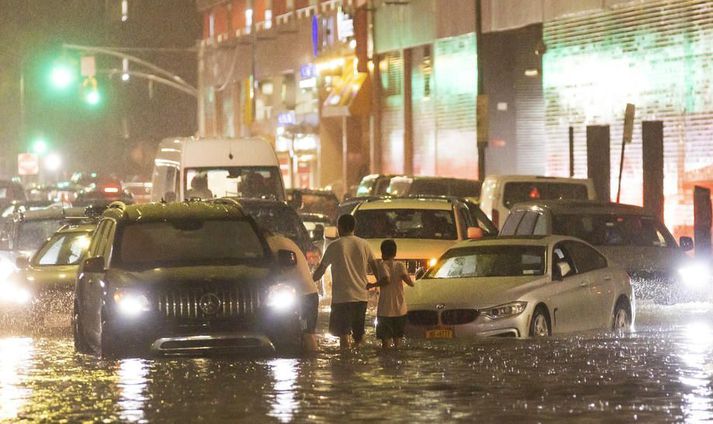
(131, 303)
(505, 311)
(695, 274)
(13, 293)
(281, 297)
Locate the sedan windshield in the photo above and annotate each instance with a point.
(188, 242)
(63, 249)
(491, 261)
(614, 230)
(406, 223)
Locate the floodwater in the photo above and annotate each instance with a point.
(661, 372)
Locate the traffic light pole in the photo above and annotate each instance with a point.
(168, 78)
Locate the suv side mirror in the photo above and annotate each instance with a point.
(686, 243)
(22, 262)
(94, 264)
(286, 258)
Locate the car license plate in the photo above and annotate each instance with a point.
(440, 333)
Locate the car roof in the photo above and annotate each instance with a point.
(582, 206)
(251, 202)
(152, 212)
(516, 241)
(52, 213)
(536, 178)
(435, 203)
(78, 228)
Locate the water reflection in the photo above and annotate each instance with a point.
(697, 354)
(16, 358)
(132, 386)
(284, 405)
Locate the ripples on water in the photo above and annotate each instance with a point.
(661, 373)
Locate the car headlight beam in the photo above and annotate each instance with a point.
(694, 275)
(11, 293)
(131, 304)
(281, 297)
(505, 311)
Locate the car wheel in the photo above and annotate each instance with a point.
(80, 344)
(540, 324)
(622, 316)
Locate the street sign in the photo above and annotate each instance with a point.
(88, 67)
(629, 123)
(28, 164)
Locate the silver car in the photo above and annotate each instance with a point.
(519, 287)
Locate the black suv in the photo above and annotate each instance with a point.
(183, 278)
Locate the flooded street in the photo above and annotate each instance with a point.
(662, 372)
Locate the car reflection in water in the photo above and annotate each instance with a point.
(284, 404)
(17, 358)
(132, 383)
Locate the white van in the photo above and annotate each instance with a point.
(500, 192)
(205, 168)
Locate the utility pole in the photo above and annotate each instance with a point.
(482, 98)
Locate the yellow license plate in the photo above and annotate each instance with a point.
(440, 333)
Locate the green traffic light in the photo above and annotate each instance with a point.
(39, 146)
(62, 76)
(92, 97)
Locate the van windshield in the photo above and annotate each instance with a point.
(526, 191)
(245, 181)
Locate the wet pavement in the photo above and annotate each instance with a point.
(661, 372)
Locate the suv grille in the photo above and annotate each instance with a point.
(458, 316)
(423, 318)
(209, 303)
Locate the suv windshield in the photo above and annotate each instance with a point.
(523, 192)
(406, 223)
(614, 230)
(279, 220)
(491, 261)
(188, 242)
(255, 182)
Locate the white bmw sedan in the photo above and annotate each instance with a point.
(519, 287)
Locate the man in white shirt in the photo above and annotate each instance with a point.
(349, 257)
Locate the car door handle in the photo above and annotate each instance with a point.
(584, 284)
(607, 278)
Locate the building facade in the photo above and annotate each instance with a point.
(288, 71)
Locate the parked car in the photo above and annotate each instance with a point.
(422, 227)
(373, 185)
(403, 186)
(500, 192)
(183, 278)
(519, 287)
(44, 284)
(628, 235)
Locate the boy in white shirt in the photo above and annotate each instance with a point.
(391, 311)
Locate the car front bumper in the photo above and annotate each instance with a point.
(482, 326)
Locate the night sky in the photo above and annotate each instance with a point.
(32, 33)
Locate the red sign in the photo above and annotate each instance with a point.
(28, 164)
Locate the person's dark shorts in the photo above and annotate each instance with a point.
(390, 327)
(348, 318)
(310, 311)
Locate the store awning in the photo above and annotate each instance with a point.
(350, 97)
